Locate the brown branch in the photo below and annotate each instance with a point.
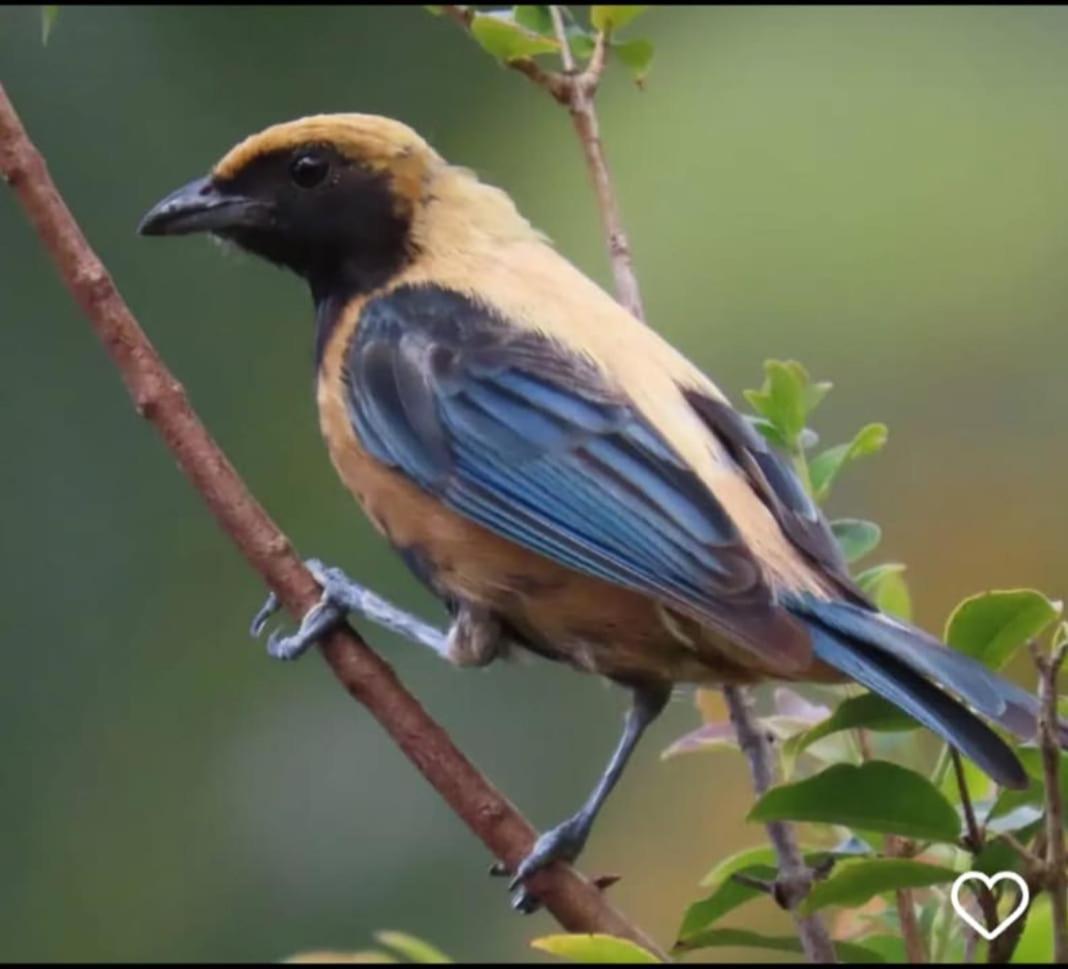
(158, 397)
(794, 879)
(1056, 858)
(905, 902)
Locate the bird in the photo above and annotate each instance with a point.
(562, 478)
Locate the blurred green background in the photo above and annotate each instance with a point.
(878, 192)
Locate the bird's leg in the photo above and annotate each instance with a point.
(566, 841)
(342, 595)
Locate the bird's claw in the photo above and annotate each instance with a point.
(268, 609)
(320, 619)
(562, 843)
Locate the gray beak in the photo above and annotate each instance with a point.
(203, 206)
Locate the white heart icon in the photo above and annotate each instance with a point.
(990, 882)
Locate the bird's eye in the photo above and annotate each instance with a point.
(308, 170)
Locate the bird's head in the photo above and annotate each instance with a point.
(332, 197)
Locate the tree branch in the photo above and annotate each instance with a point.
(1056, 858)
(795, 879)
(574, 901)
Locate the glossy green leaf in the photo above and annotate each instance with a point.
(49, 15)
(992, 626)
(856, 538)
(887, 587)
(637, 57)
(535, 17)
(876, 796)
(825, 467)
(614, 17)
(855, 883)
(743, 938)
(593, 948)
(867, 711)
(413, 949)
(501, 36)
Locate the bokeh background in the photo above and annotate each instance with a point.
(878, 192)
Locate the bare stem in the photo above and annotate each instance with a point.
(794, 879)
(566, 56)
(974, 840)
(905, 901)
(1056, 860)
(576, 903)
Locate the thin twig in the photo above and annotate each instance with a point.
(1056, 858)
(556, 84)
(158, 397)
(566, 57)
(576, 92)
(974, 840)
(794, 878)
(905, 902)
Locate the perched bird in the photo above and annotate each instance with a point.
(563, 478)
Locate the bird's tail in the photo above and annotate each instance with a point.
(931, 682)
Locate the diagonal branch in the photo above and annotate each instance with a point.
(573, 900)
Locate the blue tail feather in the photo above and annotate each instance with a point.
(916, 672)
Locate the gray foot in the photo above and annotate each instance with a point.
(562, 843)
(326, 614)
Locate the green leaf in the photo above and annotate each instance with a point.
(868, 711)
(49, 15)
(769, 430)
(890, 947)
(593, 948)
(886, 586)
(992, 626)
(760, 855)
(535, 17)
(728, 895)
(637, 57)
(876, 796)
(787, 397)
(1036, 941)
(825, 467)
(743, 938)
(614, 17)
(413, 949)
(856, 538)
(856, 883)
(501, 36)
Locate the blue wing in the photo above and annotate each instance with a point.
(527, 438)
